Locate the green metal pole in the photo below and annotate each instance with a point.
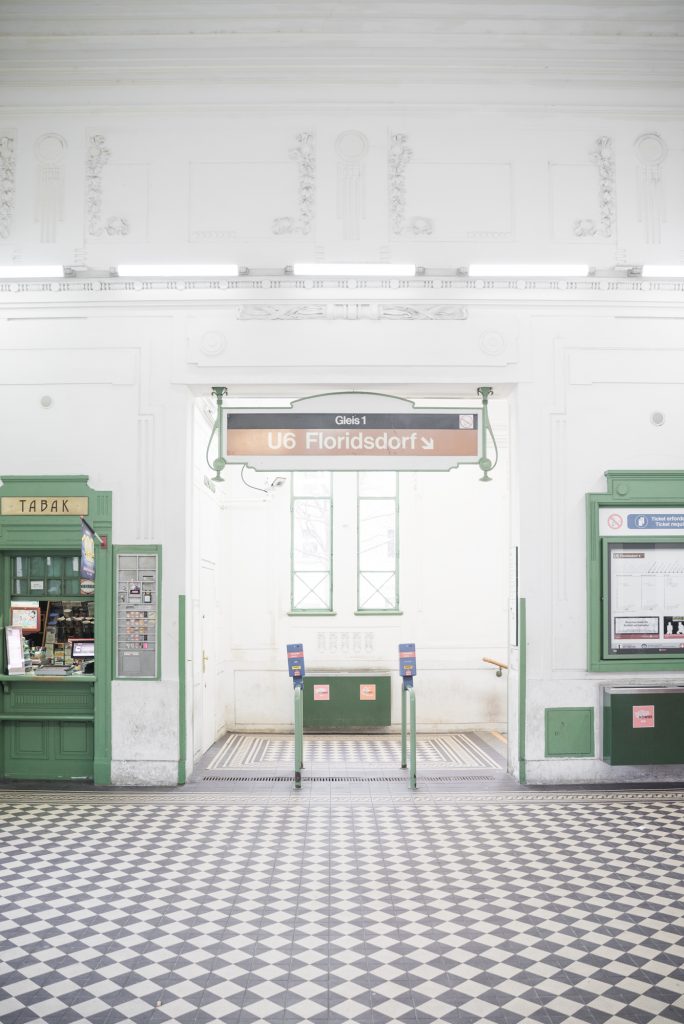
(412, 769)
(522, 690)
(182, 724)
(403, 726)
(299, 739)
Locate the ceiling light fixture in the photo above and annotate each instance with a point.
(178, 270)
(354, 269)
(528, 270)
(653, 270)
(17, 271)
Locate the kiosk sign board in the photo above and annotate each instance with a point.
(348, 431)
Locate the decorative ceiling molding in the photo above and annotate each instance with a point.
(220, 290)
(313, 41)
(351, 311)
(7, 179)
(305, 156)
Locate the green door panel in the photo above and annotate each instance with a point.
(353, 702)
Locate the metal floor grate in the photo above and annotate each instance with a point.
(348, 778)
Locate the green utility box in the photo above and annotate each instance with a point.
(341, 703)
(643, 725)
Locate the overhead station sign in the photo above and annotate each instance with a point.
(346, 439)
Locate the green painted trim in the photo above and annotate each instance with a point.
(182, 714)
(626, 488)
(390, 611)
(522, 692)
(304, 613)
(58, 533)
(139, 549)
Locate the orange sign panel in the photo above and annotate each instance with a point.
(367, 691)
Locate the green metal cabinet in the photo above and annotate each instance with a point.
(346, 702)
(643, 725)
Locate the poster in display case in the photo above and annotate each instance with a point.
(646, 598)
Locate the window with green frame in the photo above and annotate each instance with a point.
(47, 575)
(377, 542)
(311, 519)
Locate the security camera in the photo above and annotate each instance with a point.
(277, 481)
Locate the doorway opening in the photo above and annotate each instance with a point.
(350, 564)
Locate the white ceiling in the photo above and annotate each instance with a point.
(354, 42)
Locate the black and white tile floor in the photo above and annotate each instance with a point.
(199, 908)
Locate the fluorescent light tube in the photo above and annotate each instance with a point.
(528, 270)
(673, 270)
(178, 270)
(17, 271)
(355, 269)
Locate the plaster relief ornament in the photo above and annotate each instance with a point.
(602, 155)
(98, 157)
(350, 311)
(651, 153)
(399, 157)
(49, 151)
(7, 174)
(305, 156)
(351, 148)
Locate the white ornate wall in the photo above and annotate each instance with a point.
(442, 136)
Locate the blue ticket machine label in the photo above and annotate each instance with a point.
(295, 660)
(407, 660)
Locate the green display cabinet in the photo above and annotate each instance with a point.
(345, 703)
(643, 725)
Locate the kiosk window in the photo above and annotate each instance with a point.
(45, 601)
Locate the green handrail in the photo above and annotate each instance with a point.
(298, 736)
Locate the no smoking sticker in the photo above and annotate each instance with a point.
(615, 521)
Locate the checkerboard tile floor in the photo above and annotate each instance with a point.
(554, 910)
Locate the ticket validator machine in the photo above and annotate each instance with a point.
(297, 671)
(407, 670)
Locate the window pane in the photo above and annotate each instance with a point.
(311, 534)
(377, 485)
(311, 591)
(377, 534)
(377, 591)
(311, 484)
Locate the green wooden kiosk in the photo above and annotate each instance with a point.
(55, 708)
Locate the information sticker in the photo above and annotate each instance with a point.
(367, 691)
(643, 716)
(321, 691)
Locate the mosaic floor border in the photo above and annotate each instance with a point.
(312, 798)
